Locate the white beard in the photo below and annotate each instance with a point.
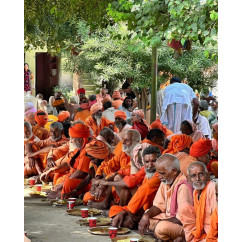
(129, 149)
(199, 186)
(27, 139)
(98, 120)
(167, 182)
(149, 174)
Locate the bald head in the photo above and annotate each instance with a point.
(168, 167)
(169, 161)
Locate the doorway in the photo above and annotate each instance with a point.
(47, 73)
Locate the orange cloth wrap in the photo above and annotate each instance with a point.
(58, 102)
(63, 116)
(158, 125)
(95, 107)
(200, 147)
(79, 131)
(106, 99)
(97, 149)
(178, 143)
(120, 114)
(199, 207)
(41, 119)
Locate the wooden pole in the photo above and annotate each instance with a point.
(154, 64)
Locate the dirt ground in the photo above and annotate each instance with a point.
(43, 222)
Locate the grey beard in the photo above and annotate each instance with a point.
(149, 174)
(129, 150)
(119, 125)
(98, 120)
(198, 187)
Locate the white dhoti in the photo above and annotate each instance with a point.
(174, 115)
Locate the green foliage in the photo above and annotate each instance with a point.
(55, 24)
(67, 91)
(114, 56)
(157, 20)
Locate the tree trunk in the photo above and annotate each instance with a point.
(154, 64)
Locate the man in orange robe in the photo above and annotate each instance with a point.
(96, 122)
(97, 151)
(179, 146)
(196, 219)
(76, 160)
(114, 169)
(41, 119)
(147, 182)
(212, 235)
(120, 123)
(83, 112)
(201, 150)
(158, 125)
(38, 151)
(156, 138)
(163, 217)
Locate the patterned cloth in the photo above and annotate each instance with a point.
(27, 75)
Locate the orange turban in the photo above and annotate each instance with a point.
(95, 107)
(97, 149)
(106, 99)
(116, 94)
(63, 116)
(200, 147)
(120, 114)
(79, 130)
(178, 143)
(41, 119)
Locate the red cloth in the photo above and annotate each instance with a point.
(200, 147)
(81, 91)
(141, 128)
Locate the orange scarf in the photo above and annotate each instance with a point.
(199, 206)
(151, 143)
(41, 120)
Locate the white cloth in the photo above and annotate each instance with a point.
(174, 115)
(203, 125)
(109, 113)
(159, 103)
(178, 93)
(177, 105)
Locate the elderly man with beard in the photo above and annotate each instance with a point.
(196, 219)
(162, 218)
(113, 170)
(96, 122)
(37, 151)
(120, 123)
(147, 182)
(76, 164)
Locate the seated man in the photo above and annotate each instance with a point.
(158, 125)
(156, 138)
(139, 123)
(179, 146)
(196, 219)
(64, 117)
(79, 137)
(59, 102)
(97, 151)
(120, 123)
(212, 235)
(147, 183)
(41, 119)
(96, 122)
(37, 151)
(162, 218)
(82, 112)
(201, 150)
(115, 169)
